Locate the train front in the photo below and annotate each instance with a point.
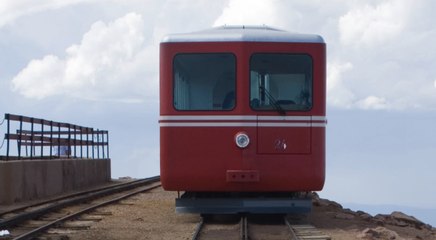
(242, 118)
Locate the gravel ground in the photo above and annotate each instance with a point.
(148, 215)
(152, 215)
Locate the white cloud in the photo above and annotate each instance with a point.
(434, 83)
(376, 48)
(248, 12)
(373, 102)
(13, 9)
(338, 93)
(371, 25)
(110, 63)
(48, 72)
(185, 16)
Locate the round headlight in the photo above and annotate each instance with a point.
(242, 140)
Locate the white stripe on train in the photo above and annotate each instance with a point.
(241, 121)
(239, 118)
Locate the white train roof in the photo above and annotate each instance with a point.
(244, 34)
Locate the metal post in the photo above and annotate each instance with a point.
(51, 139)
(81, 139)
(98, 143)
(31, 138)
(102, 143)
(92, 143)
(75, 143)
(8, 132)
(107, 140)
(59, 140)
(19, 137)
(69, 141)
(87, 142)
(42, 138)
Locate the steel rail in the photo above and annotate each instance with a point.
(80, 212)
(244, 228)
(243, 225)
(69, 200)
(305, 231)
(40, 203)
(198, 229)
(291, 230)
(296, 232)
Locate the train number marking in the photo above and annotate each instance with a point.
(280, 144)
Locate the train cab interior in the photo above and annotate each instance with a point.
(280, 81)
(204, 81)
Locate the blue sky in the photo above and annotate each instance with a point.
(95, 63)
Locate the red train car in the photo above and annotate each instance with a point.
(242, 110)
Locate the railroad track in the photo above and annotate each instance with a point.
(32, 220)
(251, 227)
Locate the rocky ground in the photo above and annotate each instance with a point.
(151, 216)
(342, 223)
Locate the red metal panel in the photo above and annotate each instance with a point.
(284, 140)
(242, 176)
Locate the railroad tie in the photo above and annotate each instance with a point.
(309, 232)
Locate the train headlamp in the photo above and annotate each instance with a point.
(242, 140)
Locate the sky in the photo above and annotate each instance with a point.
(95, 63)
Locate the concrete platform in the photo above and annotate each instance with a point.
(26, 180)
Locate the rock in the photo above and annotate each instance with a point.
(320, 202)
(365, 216)
(333, 204)
(379, 219)
(401, 220)
(125, 178)
(349, 211)
(379, 233)
(316, 201)
(404, 219)
(346, 216)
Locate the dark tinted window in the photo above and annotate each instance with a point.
(204, 81)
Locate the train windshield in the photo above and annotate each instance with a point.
(281, 82)
(204, 81)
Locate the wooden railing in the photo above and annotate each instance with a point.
(49, 139)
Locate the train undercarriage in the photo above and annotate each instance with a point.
(244, 202)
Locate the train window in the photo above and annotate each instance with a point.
(281, 82)
(204, 81)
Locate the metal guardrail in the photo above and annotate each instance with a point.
(42, 137)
